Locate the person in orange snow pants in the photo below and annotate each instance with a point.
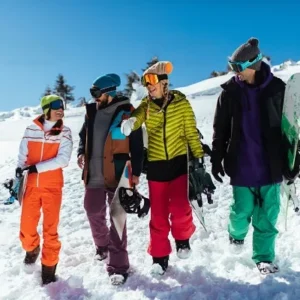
(45, 149)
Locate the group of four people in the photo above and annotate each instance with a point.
(247, 145)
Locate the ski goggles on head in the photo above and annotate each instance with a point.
(97, 93)
(241, 66)
(55, 105)
(152, 79)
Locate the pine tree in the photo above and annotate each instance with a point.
(63, 89)
(152, 62)
(47, 91)
(131, 78)
(81, 101)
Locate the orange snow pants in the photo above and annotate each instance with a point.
(49, 199)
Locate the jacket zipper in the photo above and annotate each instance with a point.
(164, 131)
(42, 152)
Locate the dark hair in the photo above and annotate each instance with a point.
(57, 127)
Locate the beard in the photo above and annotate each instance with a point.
(103, 102)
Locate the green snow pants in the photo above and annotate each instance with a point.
(263, 211)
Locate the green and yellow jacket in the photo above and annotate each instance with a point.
(171, 132)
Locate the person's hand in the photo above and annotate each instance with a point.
(31, 169)
(127, 126)
(19, 172)
(216, 169)
(80, 161)
(135, 180)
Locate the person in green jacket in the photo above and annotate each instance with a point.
(171, 129)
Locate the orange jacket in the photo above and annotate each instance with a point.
(50, 153)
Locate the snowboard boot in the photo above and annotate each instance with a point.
(160, 265)
(235, 242)
(267, 267)
(101, 253)
(48, 274)
(118, 279)
(183, 248)
(31, 256)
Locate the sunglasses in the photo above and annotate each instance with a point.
(241, 66)
(97, 93)
(152, 79)
(55, 105)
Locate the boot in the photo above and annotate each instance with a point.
(235, 242)
(118, 279)
(183, 248)
(267, 267)
(31, 256)
(48, 274)
(101, 253)
(160, 265)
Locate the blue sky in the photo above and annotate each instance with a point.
(83, 39)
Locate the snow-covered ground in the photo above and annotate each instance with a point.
(215, 270)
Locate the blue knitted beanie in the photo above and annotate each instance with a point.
(107, 81)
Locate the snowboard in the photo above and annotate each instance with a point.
(117, 212)
(290, 124)
(17, 188)
(22, 187)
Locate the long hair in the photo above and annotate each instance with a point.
(57, 127)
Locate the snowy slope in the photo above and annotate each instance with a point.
(216, 270)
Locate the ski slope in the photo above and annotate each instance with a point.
(216, 270)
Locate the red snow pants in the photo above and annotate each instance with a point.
(170, 210)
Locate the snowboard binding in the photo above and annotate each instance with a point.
(131, 201)
(200, 182)
(13, 187)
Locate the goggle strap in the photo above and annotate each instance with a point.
(162, 77)
(109, 89)
(45, 106)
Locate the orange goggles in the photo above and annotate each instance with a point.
(152, 79)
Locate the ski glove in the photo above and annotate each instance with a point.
(216, 169)
(30, 169)
(127, 126)
(19, 172)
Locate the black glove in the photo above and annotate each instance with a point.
(217, 168)
(19, 172)
(206, 149)
(31, 169)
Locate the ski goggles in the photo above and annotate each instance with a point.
(55, 105)
(241, 66)
(152, 79)
(97, 93)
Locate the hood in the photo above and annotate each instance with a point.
(262, 78)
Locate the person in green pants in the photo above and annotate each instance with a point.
(248, 145)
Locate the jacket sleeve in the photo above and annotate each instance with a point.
(191, 132)
(221, 128)
(82, 138)
(63, 156)
(136, 146)
(23, 151)
(140, 114)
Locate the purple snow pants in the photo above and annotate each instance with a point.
(95, 205)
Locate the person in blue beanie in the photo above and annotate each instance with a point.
(247, 137)
(102, 154)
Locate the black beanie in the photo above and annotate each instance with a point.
(247, 52)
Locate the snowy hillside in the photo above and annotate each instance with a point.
(215, 270)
